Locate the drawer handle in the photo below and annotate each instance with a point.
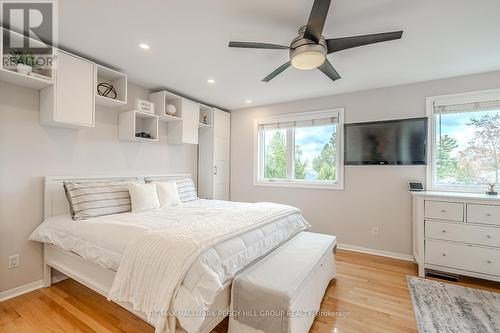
(488, 214)
(489, 237)
(444, 254)
(443, 210)
(488, 261)
(444, 231)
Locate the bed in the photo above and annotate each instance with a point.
(91, 251)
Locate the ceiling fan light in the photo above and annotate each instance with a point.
(308, 60)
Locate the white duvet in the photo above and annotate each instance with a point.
(104, 241)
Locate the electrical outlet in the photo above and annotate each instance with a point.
(375, 231)
(14, 261)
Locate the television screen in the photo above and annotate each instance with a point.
(394, 142)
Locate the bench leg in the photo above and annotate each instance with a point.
(47, 275)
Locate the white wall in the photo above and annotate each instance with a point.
(29, 151)
(374, 196)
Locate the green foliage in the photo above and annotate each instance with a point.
(275, 157)
(446, 166)
(23, 57)
(325, 164)
(300, 167)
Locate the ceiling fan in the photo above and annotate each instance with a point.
(309, 49)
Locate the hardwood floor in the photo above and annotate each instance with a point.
(369, 294)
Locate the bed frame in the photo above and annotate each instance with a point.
(92, 275)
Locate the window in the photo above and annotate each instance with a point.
(466, 141)
(300, 150)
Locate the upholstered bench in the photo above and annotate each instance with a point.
(282, 292)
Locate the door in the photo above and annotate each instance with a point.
(74, 91)
(222, 130)
(190, 120)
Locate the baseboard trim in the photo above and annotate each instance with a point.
(18, 291)
(393, 255)
(8, 294)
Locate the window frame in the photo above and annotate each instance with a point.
(451, 99)
(297, 183)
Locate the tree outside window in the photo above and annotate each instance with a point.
(468, 148)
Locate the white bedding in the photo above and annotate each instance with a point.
(103, 240)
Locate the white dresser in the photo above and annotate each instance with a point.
(457, 233)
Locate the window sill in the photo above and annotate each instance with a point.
(308, 185)
(458, 189)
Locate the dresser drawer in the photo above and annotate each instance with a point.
(442, 210)
(485, 214)
(472, 234)
(466, 257)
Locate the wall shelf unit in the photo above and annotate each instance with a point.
(164, 98)
(117, 80)
(168, 118)
(208, 112)
(22, 80)
(132, 122)
(38, 79)
(183, 126)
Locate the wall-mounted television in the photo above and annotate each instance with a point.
(392, 142)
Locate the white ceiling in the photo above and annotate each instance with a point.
(188, 38)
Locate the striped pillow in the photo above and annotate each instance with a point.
(186, 189)
(93, 199)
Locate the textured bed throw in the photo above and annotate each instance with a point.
(443, 307)
(154, 265)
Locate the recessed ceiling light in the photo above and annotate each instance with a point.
(248, 101)
(144, 46)
(211, 81)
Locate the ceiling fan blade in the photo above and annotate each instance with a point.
(317, 19)
(329, 71)
(252, 45)
(277, 71)
(339, 44)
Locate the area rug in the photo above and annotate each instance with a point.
(445, 308)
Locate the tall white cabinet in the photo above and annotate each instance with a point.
(69, 102)
(213, 156)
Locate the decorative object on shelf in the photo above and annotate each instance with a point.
(144, 106)
(204, 115)
(143, 135)
(170, 109)
(106, 90)
(24, 60)
(491, 190)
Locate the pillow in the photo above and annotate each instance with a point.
(143, 197)
(186, 189)
(167, 193)
(93, 199)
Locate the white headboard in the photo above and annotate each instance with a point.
(55, 202)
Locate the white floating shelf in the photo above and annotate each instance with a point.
(168, 118)
(117, 80)
(132, 122)
(9, 73)
(106, 101)
(202, 125)
(28, 81)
